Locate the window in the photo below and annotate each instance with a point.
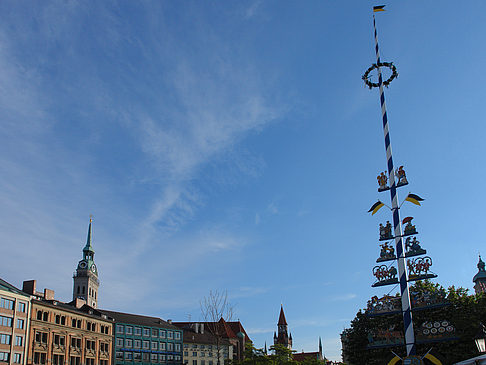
(203, 355)
(162, 358)
(169, 357)
(104, 347)
(129, 330)
(155, 332)
(161, 333)
(210, 362)
(90, 345)
(177, 335)
(90, 361)
(17, 358)
(146, 345)
(40, 357)
(6, 303)
(119, 355)
(73, 322)
(162, 346)
(194, 346)
(137, 344)
(128, 355)
(154, 357)
(194, 353)
(103, 362)
(170, 346)
(155, 346)
(19, 341)
(146, 357)
(128, 342)
(76, 342)
(137, 356)
(177, 357)
(21, 308)
(60, 320)
(39, 315)
(20, 323)
(210, 354)
(5, 339)
(202, 346)
(177, 347)
(210, 347)
(58, 359)
(186, 346)
(146, 331)
(119, 342)
(169, 335)
(74, 360)
(119, 329)
(41, 337)
(4, 356)
(59, 340)
(186, 353)
(203, 362)
(78, 324)
(137, 331)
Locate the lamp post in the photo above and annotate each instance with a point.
(480, 339)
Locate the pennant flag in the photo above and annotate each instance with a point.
(407, 219)
(415, 199)
(376, 207)
(378, 8)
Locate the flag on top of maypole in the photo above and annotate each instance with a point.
(378, 8)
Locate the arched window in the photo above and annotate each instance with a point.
(83, 289)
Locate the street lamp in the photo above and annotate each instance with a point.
(480, 339)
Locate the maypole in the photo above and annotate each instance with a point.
(400, 250)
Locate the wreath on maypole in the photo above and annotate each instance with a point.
(390, 65)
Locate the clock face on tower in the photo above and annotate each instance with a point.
(82, 264)
(93, 268)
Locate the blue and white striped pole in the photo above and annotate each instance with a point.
(402, 270)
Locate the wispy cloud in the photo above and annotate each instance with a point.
(343, 297)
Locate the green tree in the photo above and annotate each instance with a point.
(465, 312)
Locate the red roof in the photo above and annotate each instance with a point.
(281, 318)
(305, 355)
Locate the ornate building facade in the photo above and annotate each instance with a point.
(67, 333)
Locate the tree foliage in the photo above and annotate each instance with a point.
(281, 356)
(465, 312)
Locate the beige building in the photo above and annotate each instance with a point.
(14, 331)
(201, 347)
(67, 333)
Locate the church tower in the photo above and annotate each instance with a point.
(86, 281)
(480, 278)
(283, 337)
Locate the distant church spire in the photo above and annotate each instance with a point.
(320, 349)
(282, 337)
(480, 278)
(86, 281)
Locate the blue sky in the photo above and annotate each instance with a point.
(233, 146)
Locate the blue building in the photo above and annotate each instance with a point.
(145, 340)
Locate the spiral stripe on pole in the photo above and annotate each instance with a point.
(402, 271)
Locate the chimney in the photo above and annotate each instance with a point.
(202, 328)
(196, 327)
(29, 287)
(169, 321)
(78, 302)
(48, 294)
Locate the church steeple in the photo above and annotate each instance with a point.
(86, 281)
(480, 278)
(283, 337)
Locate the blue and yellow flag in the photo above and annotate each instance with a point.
(415, 199)
(376, 207)
(378, 8)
